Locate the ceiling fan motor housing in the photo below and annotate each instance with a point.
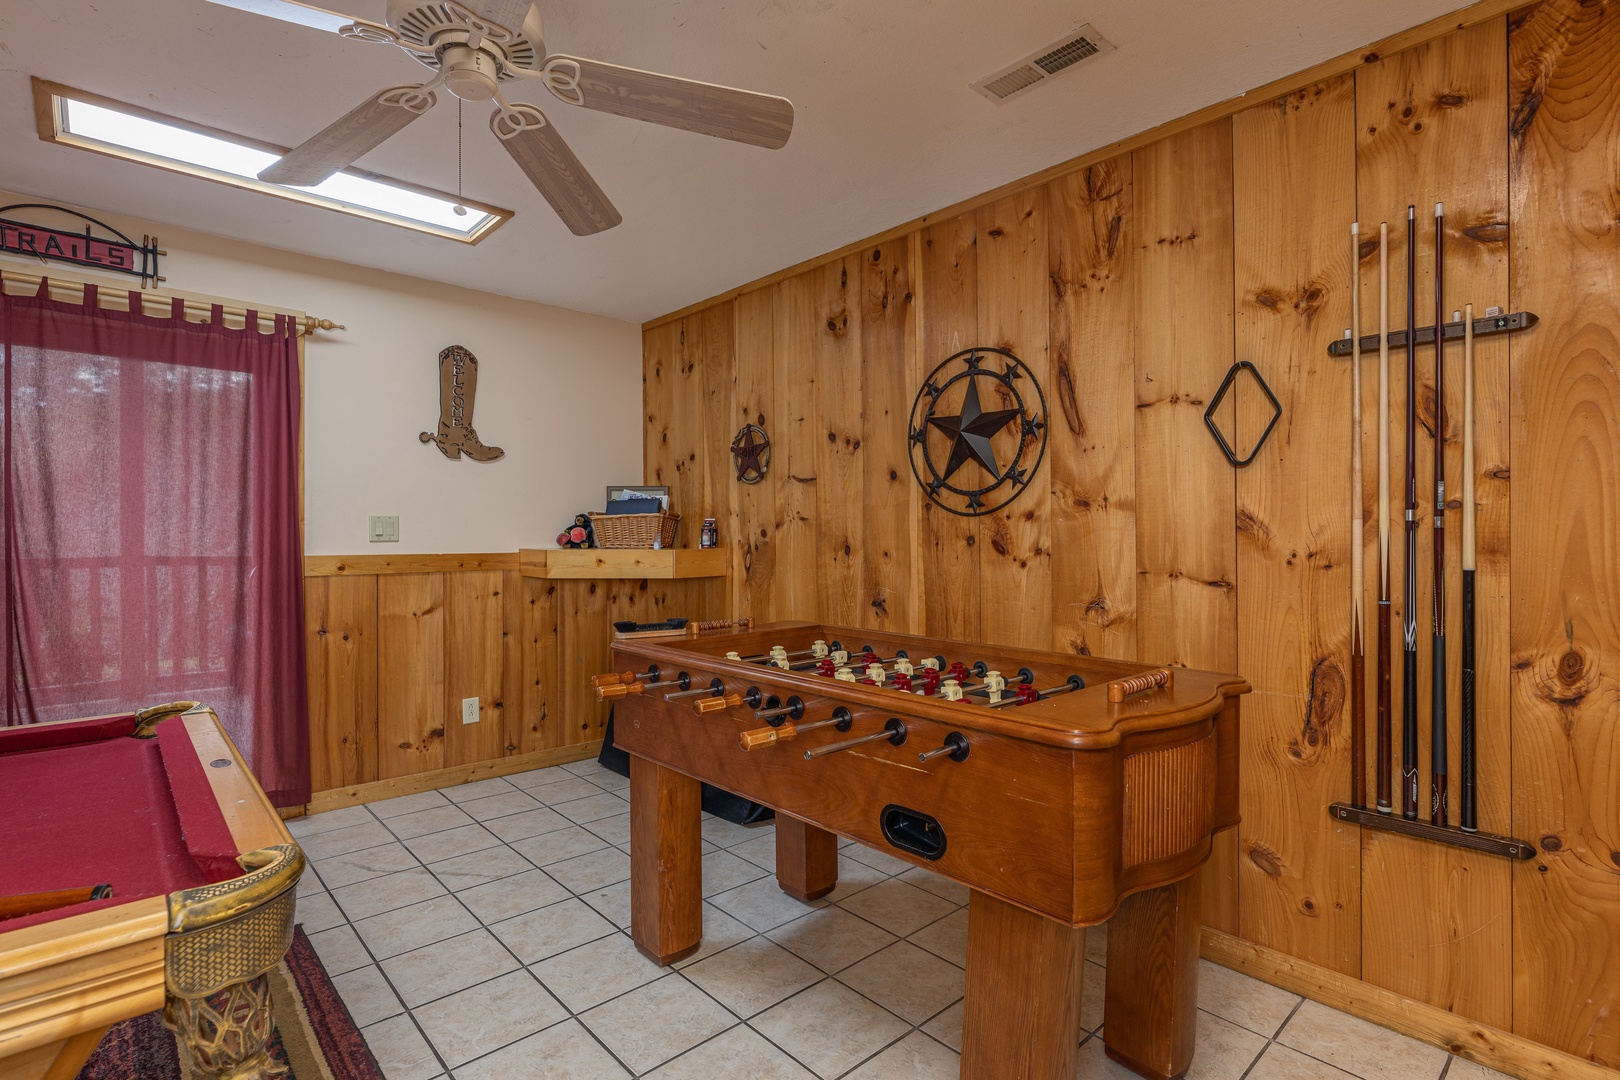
(436, 27)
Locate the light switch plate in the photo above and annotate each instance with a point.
(469, 710)
(384, 530)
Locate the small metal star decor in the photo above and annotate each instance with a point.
(752, 451)
(969, 459)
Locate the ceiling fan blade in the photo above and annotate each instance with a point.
(554, 170)
(726, 113)
(343, 143)
(315, 18)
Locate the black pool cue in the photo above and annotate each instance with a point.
(1466, 807)
(1385, 784)
(1409, 739)
(1358, 586)
(1437, 716)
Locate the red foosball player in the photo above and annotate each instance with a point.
(1026, 693)
(930, 680)
(825, 666)
(958, 671)
(901, 681)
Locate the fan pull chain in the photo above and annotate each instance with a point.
(461, 211)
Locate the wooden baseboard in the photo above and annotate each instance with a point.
(356, 794)
(1489, 1046)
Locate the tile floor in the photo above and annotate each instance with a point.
(481, 933)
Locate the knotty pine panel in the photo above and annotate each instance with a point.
(795, 453)
(891, 575)
(1092, 451)
(1421, 112)
(473, 659)
(751, 531)
(1564, 138)
(410, 674)
(948, 322)
(1294, 181)
(1186, 557)
(1015, 542)
(531, 717)
(340, 634)
(830, 299)
(658, 375)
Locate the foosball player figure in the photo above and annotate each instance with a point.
(994, 685)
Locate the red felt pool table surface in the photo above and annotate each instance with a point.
(87, 803)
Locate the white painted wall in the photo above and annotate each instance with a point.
(559, 390)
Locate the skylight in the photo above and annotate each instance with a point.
(108, 127)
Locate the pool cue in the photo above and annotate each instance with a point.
(1438, 806)
(17, 905)
(1385, 804)
(1409, 745)
(1358, 591)
(1466, 810)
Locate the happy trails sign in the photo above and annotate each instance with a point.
(111, 250)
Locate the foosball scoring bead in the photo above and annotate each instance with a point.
(951, 690)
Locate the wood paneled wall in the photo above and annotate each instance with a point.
(1129, 287)
(392, 656)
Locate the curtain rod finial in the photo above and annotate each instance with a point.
(312, 324)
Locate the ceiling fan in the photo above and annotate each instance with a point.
(475, 46)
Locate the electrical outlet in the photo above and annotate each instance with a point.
(469, 710)
(384, 530)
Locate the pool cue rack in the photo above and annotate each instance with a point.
(1484, 326)
(1488, 843)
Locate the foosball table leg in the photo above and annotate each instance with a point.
(806, 859)
(1022, 1014)
(666, 861)
(1150, 1015)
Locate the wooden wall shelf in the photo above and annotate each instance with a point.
(623, 563)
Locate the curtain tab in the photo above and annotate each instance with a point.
(177, 309)
(90, 295)
(250, 322)
(44, 290)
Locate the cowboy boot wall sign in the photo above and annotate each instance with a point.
(458, 382)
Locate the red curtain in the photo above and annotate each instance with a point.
(151, 522)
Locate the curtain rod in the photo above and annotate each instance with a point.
(72, 289)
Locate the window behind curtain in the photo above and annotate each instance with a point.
(151, 524)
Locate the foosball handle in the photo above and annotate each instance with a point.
(611, 691)
(766, 736)
(612, 678)
(704, 706)
(745, 623)
(1120, 689)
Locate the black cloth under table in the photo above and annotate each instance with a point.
(722, 804)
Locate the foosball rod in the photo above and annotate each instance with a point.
(770, 736)
(1466, 808)
(1074, 683)
(894, 731)
(716, 685)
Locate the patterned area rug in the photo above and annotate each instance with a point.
(315, 1038)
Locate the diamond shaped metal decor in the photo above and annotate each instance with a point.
(1215, 403)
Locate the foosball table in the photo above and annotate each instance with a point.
(1063, 791)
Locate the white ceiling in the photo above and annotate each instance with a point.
(886, 127)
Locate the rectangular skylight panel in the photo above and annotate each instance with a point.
(142, 138)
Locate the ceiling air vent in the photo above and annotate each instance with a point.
(1040, 65)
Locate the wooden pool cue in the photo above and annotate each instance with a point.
(1409, 744)
(16, 905)
(1358, 591)
(1437, 714)
(1385, 805)
(1466, 810)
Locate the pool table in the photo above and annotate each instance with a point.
(160, 806)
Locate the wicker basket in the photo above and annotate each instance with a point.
(635, 530)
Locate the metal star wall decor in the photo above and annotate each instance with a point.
(752, 451)
(951, 429)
